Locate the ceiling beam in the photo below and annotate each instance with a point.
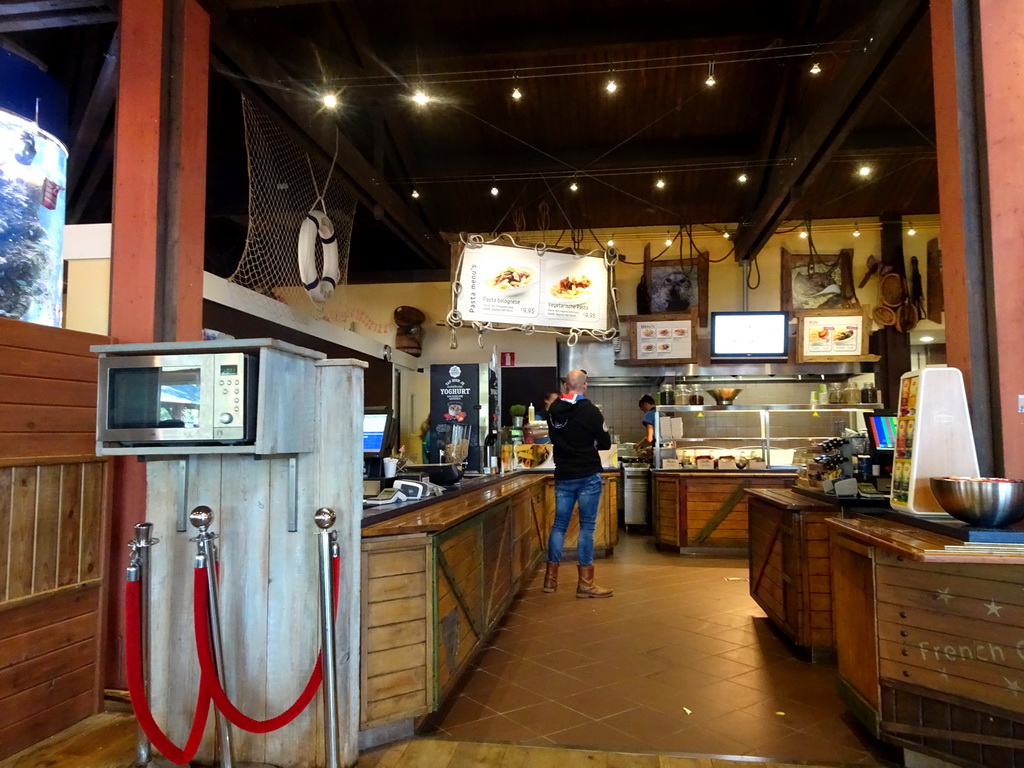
(304, 119)
(241, 5)
(97, 112)
(43, 6)
(832, 122)
(24, 22)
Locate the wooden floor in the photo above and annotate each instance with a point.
(108, 741)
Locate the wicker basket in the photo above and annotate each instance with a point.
(883, 316)
(892, 290)
(906, 318)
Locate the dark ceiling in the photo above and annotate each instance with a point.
(799, 137)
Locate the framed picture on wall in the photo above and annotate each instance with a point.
(677, 285)
(818, 281)
(833, 335)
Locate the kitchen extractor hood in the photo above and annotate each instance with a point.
(603, 362)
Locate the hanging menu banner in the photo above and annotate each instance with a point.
(516, 286)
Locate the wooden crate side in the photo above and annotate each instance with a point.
(853, 600)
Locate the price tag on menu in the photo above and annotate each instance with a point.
(504, 284)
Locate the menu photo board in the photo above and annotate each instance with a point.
(832, 335)
(666, 337)
(519, 286)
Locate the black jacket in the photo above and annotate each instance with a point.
(578, 432)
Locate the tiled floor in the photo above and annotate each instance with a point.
(680, 660)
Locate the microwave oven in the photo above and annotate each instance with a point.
(204, 398)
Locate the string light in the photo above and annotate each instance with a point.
(494, 191)
(330, 100)
(911, 232)
(803, 234)
(421, 98)
(668, 240)
(815, 69)
(611, 86)
(660, 183)
(415, 193)
(574, 186)
(611, 242)
(742, 178)
(864, 170)
(856, 230)
(726, 234)
(711, 74)
(516, 94)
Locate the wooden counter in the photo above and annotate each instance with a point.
(438, 579)
(706, 511)
(930, 640)
(790, 565)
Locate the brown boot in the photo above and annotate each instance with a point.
(551, 577)
(587, 587)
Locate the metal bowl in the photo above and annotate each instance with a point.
(986, 502)
(724, 396)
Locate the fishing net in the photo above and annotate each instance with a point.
(285, 183)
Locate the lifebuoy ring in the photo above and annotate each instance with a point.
(317, 226)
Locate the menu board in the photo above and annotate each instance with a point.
(504, 284)
(826, 336)
(670, 339)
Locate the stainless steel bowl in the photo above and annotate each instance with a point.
(724, 396)
(439, 474)
(986, 502)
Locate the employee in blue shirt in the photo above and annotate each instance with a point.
(647, 406)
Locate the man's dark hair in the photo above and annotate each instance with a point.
(648, 400)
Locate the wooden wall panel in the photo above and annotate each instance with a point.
(23, 524)
(6, 505)
(70, 524)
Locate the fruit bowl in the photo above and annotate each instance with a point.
(724, 396)
(985, 502)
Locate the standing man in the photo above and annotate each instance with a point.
(578, 432)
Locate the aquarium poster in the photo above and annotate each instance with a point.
(33, 180)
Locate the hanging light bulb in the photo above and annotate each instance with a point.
(668, 241)
(803, 235)
(611, 86)
(911, 231)
(864, 170)
(856, 230)
(415, 193)
(494, 191)
(711, 74)
(726, 234)
(516, 94)
(815, 69)
(660, 183)
(330, 100)
(421, 98)
(574, 186)
(611, 242)
(742, 178)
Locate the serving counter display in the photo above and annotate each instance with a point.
(706, 512)
(438, 577)
(929, 639)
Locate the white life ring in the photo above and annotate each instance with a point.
(317, 226)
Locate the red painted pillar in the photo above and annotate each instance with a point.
(159, 213)
(978, 68)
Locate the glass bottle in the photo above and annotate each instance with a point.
(866, 393)
(835, 394)
(666, 396)
(851, 394)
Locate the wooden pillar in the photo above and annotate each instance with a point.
(979, 106)
(893, 346)
(159, 213)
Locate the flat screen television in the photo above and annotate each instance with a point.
(881, 428)
(377, 431)
(750, 336)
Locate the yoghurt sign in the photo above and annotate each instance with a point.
(503, 284)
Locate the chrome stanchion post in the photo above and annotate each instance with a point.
(139, 570)
(328, 546)
(206, 554)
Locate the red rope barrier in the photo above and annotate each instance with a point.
(220, 698)
(137, 687)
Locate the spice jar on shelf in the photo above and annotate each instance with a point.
(851, 393)
(835, 394)
(868, 393)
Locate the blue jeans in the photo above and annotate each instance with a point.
(587, 492)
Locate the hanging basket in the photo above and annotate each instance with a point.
(892, 290)
(883, 316)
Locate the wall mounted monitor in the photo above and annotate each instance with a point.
(751, 336)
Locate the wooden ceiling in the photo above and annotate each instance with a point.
(799, 137)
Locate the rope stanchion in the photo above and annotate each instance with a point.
(217, 693)
(136, 684)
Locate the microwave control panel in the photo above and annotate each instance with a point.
(229, 396)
